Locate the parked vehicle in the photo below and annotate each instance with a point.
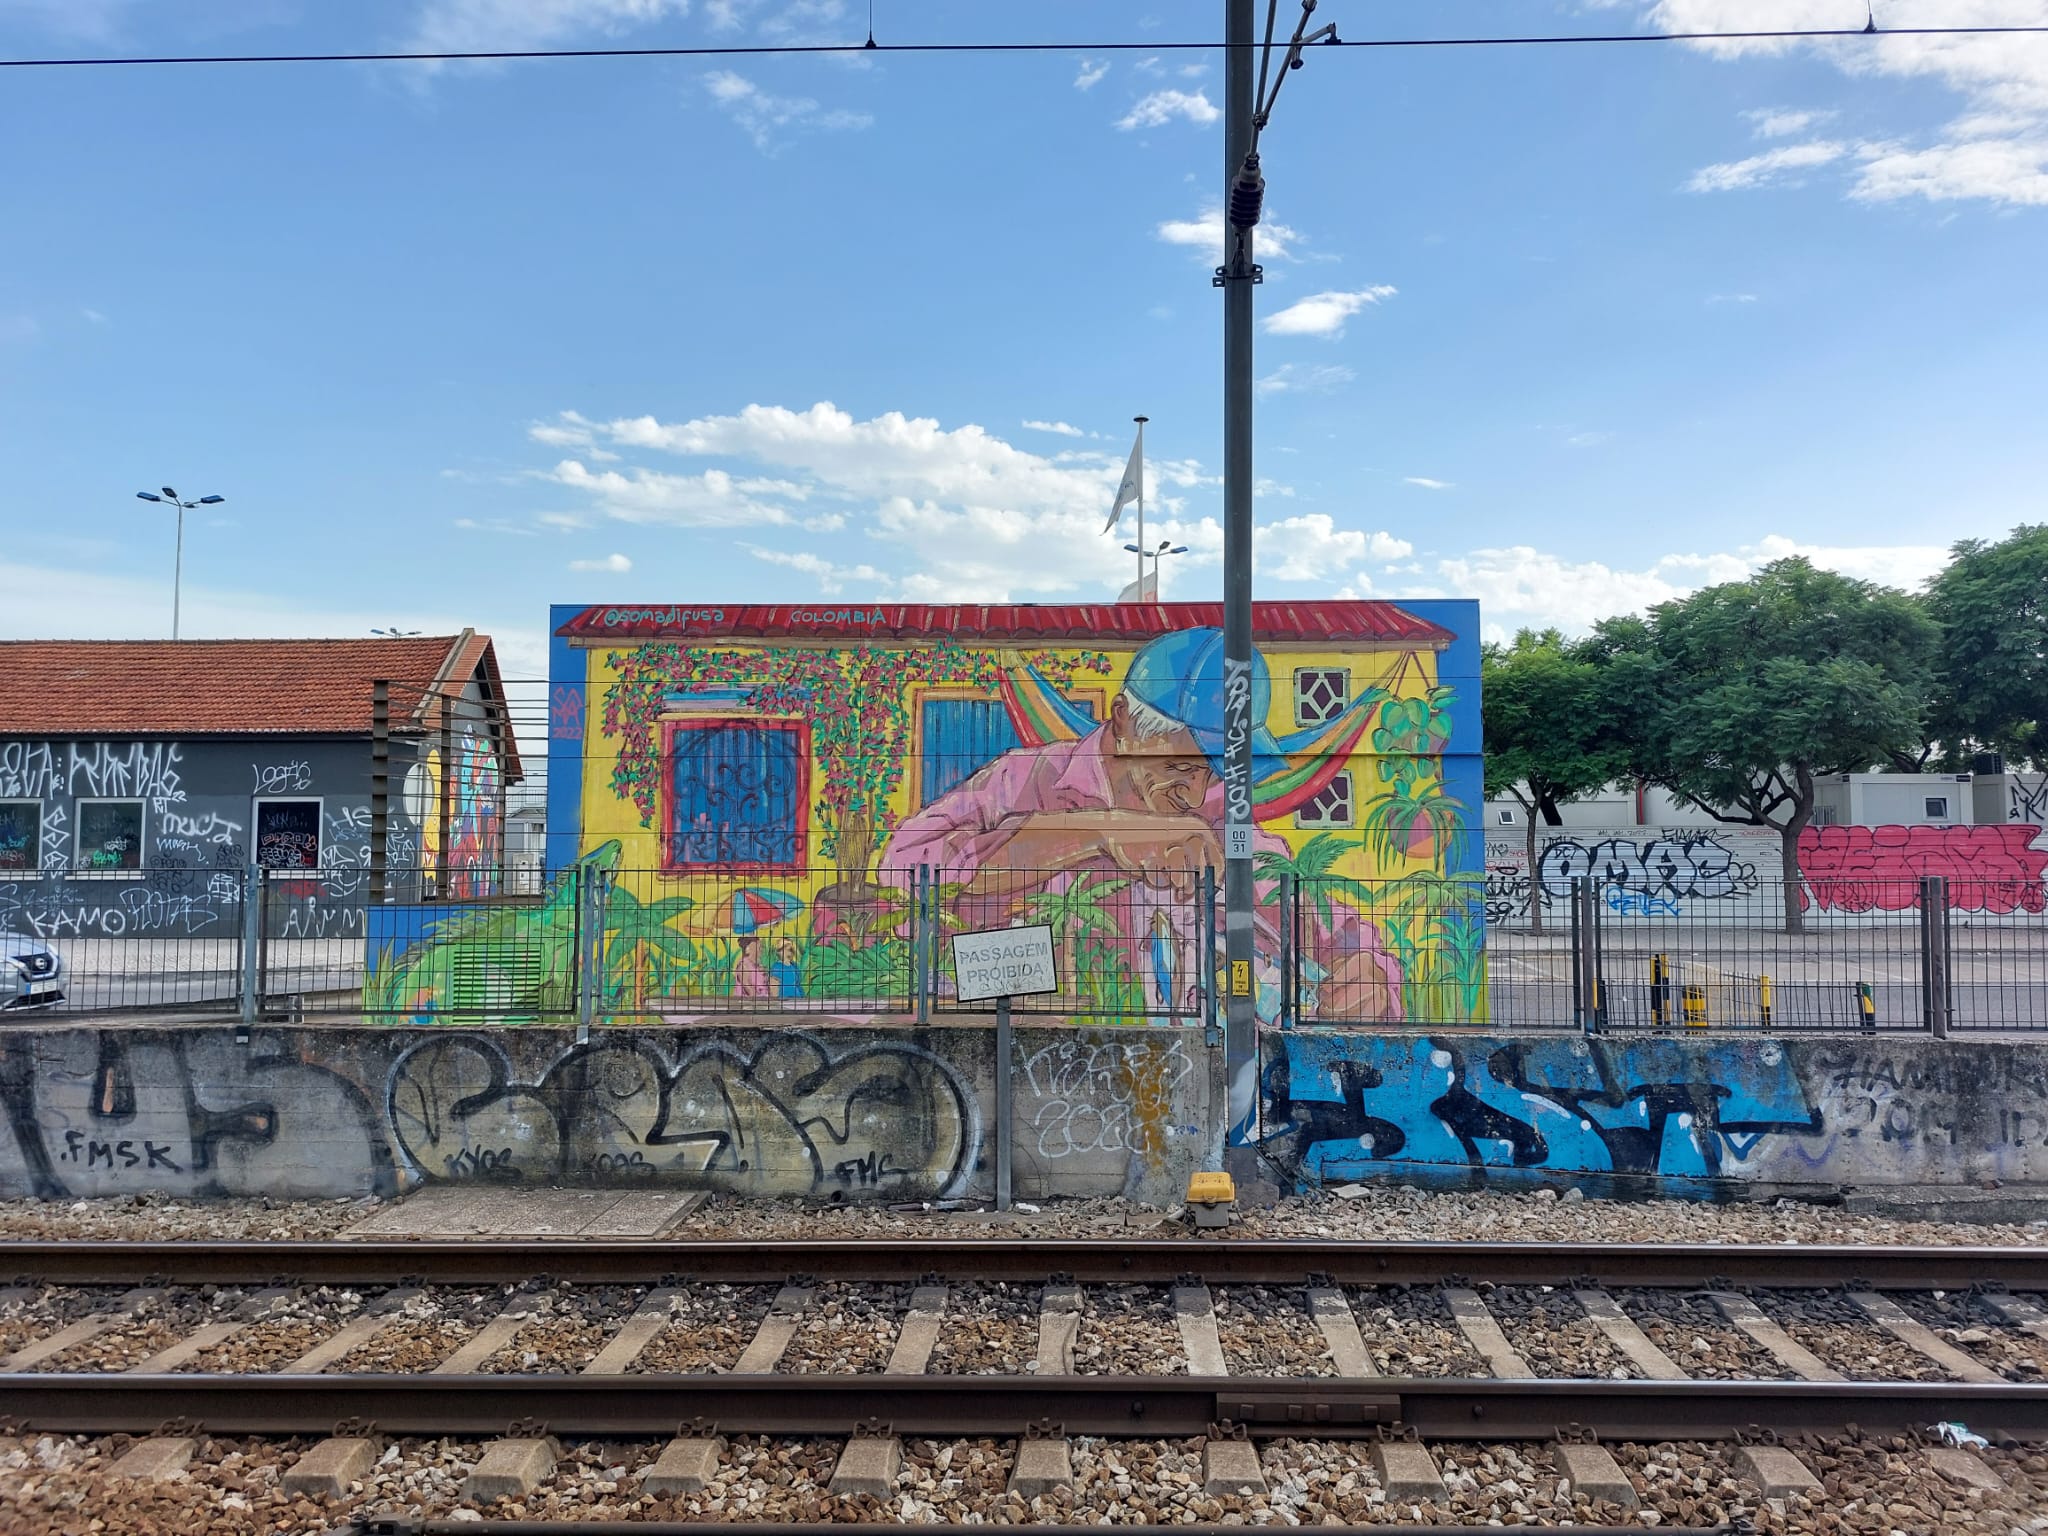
(31, 973)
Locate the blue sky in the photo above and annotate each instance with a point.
(1568, 330)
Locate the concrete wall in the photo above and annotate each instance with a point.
(903, 1113)
(875, 1112)
(1744, 1115)
(199, 802)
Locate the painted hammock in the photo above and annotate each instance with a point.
(1308, 759)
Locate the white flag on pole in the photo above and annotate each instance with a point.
(1128, 492)
(1144, 590)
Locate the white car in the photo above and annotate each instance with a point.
(31, 973)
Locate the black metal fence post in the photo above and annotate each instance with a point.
(1934, 955)
(923, 942)
(1212, 1032)
(380, 785)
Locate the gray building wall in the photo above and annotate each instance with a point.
(201, 804)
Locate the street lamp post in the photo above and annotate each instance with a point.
(169, 498)
(1166, 547)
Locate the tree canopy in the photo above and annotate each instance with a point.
(1991, 602)
(1547, 741)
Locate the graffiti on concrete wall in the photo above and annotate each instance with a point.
(1092, 1094)
(1876, 869)
(108, 1112)
(2027, 797)
(796, 1115)
(1648, 878)
(1342, 1107)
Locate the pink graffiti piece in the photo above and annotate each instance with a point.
(1875, 869)
(565, 713)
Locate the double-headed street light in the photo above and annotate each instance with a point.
(169, 498)
(1166, 547)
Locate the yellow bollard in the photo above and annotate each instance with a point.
(1763, 992)
(1694, 1002)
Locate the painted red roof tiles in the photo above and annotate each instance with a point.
(224, 687)
(1351, 621)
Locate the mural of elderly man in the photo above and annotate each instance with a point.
(1139, 797)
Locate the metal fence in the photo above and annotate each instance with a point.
(1931, 955)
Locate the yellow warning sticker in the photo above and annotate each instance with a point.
(1240, 978)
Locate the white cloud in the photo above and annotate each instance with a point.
(1731, 298)
(1162, 107)
(832, 578)
(1426, 483)
(1305, 379)
(499, 26)
(567, 430)
(1783, 122)
(1092, 71)
(766, 119)
(1064, 429)
(1770, 167)
(1324, 314)
(825, 522)
(95, 317)
(498, 525)
(1204, 233)
(1312, 547)
(1264, 486)
(617, 565)
(1193, 71)
(1589, 439)
(1995, 149)
(710, 500)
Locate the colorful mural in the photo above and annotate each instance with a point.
(473, 784)
(778, 781)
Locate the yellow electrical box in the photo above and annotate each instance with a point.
(1210, 1189)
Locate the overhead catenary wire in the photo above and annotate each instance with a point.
(772, 50)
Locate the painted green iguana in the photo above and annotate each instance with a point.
(496, 963)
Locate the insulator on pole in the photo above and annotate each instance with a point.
(1247, 195)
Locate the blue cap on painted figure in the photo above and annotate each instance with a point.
(1181, 677)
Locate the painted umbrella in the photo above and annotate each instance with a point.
(750, 909)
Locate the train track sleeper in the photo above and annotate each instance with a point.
(2019, 1312)
(350, 1335)
(155, 1460)
(1044, 1462)
(1965, 1467)
(1624, 1335)
(1059, 1323)
(204, 1337)
(1594, 1472)
(771, 1338)
(1230, 1465)
(80, 1332)
(1484, 1335)
(488, 1340)
(1776, 1471)
(687, 1464)
(1914, 1334)
(1407, 1471)
(1745, 1314)
(1194, 1314)
(327, 1470)
(634, 1335)
(919, 1334)
(868, 1464)
(512, 1468)
(1333, 1316)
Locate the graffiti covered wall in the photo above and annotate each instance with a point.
(873, 1113)
(771, 781)
(1654, 1114)
(1731, 872)
(149, 838)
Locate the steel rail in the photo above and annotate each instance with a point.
(950, 1406)
(1129, 1261)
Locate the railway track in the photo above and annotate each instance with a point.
(129, 1347)
(1429, 1359)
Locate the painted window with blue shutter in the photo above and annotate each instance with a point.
(737, 793)
(963, 736)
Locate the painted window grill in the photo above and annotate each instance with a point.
(962, 736)
(21, 834)
(109, 839)
(736, 794)
(288, 834)
(1332, 806)
(1320, 694)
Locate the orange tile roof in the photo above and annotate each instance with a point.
(227, 687)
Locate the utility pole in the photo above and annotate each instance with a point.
(1246, 110)
(1237, 276)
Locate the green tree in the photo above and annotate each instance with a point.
(1739, 698)
(1991, 602)
(1548, 740)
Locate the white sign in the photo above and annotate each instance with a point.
(1237, 842)
(1004, 962)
